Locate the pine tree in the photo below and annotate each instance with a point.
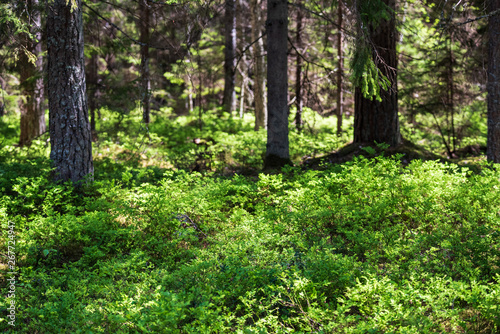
(493, 144)
(32, 112)
(277, 149)
(70, 137)
(377, 119)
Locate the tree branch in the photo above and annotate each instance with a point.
(123, 32)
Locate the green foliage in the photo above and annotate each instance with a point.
(221, 144)
(366, 246)
(443, 56)
(364, 72)
(366, 75)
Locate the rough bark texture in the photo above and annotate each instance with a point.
(145, 75)
(32, 112)
(493, 144)
(259, 66)
(340, 105)
(374, 120)
(277, 149)
(298, 70)
(230, 57)
(70, 139)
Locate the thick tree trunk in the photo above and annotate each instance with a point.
(70, 138)
(230, 57)
(298, 71)
(32, 113)
(259, 66)
(374, 120)
(277, 149)
(493, 143)
(340, 70)
(145, 76)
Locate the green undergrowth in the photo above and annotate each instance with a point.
(207, 143)
(368, 246)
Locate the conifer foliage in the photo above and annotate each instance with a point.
(376, 120)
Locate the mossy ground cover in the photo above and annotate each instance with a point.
(372, 245)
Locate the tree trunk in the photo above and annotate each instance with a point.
(298, 71)
(2, 103)
(259, 66)
(451, 104)
(93, 81)
(242, 96)
(230, 57)
(93, 93)
(374, 120)
(70, 138)
(277, 149)
(340, 70)
(32, 113)
(493, 141)
(145, 76)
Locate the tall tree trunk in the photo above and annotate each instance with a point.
(2, 103)
(242, 96)
(298, 70)
(374, 120)
(493, 141)
(230, 57)
(241, 40)
(93, 80)
(451, 87)
(277, 149)
(145, 76)
(259, 66)
(32, 113)
(340, 70)
(70, 138)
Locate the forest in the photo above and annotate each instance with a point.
(249, 166)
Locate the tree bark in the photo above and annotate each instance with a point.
(93, 93)
(145, 75)
(340, 70)
(70, 138)
(32, 112)
(277, 149)
(451, 104)
(298, 70)
(259, 66)
(374, 120)
(2, 104)
(230, 57)
(493, 140)
(93, 80)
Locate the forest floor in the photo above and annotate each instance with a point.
(406, 152)
(364, 239)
